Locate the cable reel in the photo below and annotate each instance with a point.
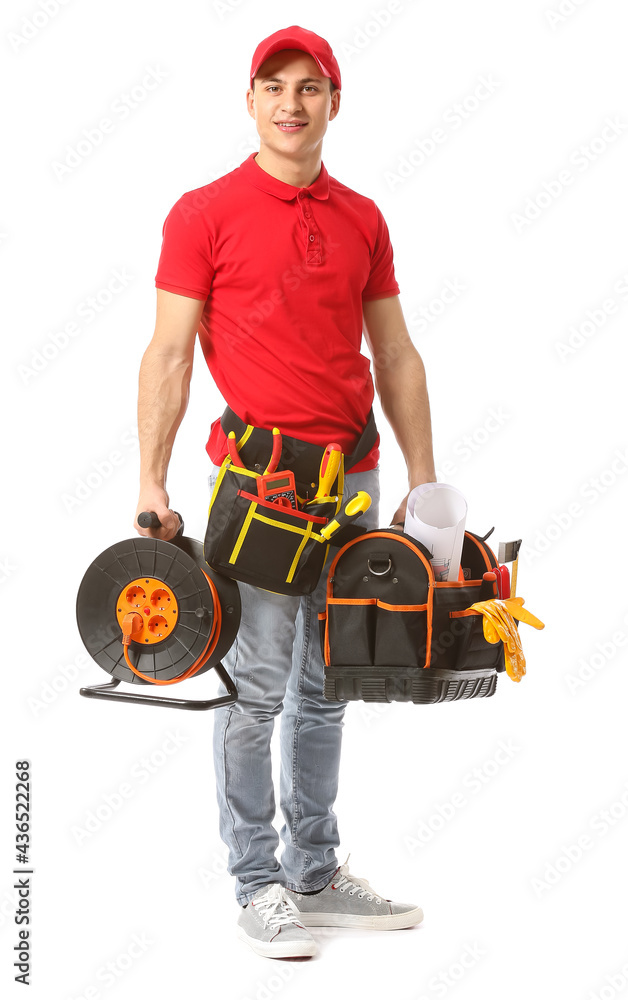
(151, 612)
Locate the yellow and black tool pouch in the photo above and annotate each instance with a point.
(259, 542)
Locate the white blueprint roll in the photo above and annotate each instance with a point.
(436, 515)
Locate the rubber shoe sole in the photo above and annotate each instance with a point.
(384, 922)
(278, 949)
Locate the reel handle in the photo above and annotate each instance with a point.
(149, 519)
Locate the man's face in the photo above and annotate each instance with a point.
(289, 86)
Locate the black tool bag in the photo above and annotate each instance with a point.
(391, 632)
(258, 542)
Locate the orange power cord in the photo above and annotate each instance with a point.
(130, 628)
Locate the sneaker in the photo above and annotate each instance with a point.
(347, 901)
(271, 925)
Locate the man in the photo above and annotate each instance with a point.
(281, 268)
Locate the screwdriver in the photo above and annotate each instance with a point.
(330, 464)
(354, 507)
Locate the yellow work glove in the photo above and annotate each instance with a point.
(498, 624)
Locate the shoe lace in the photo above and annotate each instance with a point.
(275, 908)
(344, 880)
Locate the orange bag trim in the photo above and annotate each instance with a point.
(480, 546)
(401, 607)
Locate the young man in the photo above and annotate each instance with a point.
(281, 268)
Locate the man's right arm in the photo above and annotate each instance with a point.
(164, 385)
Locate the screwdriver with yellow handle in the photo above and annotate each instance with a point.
(354, 507)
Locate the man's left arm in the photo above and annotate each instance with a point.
(400, 383)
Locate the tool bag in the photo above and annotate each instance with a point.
(258, 542)
(392, 632)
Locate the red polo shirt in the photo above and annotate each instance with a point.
(283, 272)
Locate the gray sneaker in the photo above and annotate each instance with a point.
(271, 925)
(348, 901)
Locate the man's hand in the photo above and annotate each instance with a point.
(157, 500)
(400, 513)
(399, 517)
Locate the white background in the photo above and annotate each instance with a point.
(538, 259)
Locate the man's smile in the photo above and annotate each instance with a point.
(290, 125)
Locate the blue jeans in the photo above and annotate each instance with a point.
(277, 666)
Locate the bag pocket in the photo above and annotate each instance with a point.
(401, 635)
(472, 649)
(371, 633)
(458, 641)
(269, 546)
(350, 632)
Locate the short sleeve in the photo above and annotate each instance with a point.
(381, 281)
(185, 264)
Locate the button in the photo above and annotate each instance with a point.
(311, 239)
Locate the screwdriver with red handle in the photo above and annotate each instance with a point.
(330, 463)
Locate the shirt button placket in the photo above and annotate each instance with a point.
(313, 255)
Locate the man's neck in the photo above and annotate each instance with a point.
(299, 173)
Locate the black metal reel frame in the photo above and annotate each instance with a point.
(109, 691)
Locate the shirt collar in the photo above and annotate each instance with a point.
(272, 185)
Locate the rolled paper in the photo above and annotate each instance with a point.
(435, 515)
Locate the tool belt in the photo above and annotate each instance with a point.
(392, 632)
(258, 542)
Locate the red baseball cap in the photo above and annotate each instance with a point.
(298, 38)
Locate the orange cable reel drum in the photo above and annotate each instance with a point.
(153, 613)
